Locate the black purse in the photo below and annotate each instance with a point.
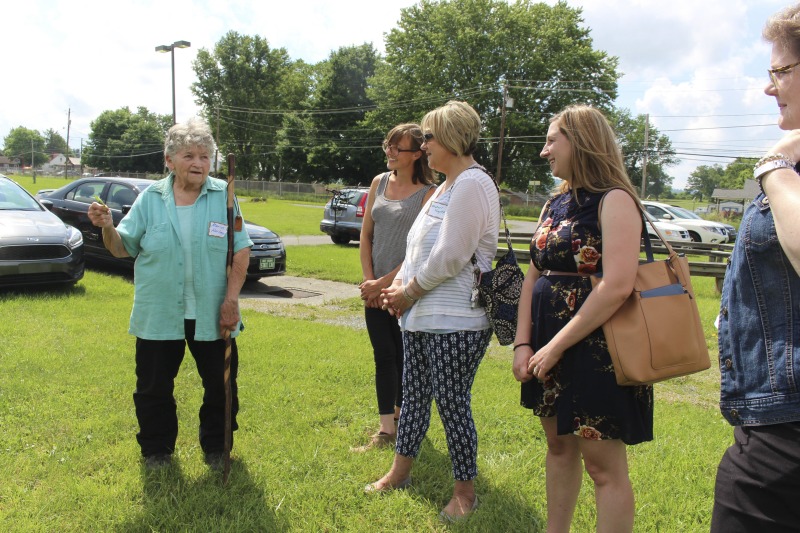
(498, 290)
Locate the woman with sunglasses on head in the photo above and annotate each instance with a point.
(560, 354)
(445, 334)
(395, 199)
(758, 479)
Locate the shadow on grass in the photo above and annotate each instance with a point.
(498, 509)
(112, 269)
(43, 292)
(171, 502)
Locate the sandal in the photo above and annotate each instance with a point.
(378, 440)
(447, 518)
(372, 489)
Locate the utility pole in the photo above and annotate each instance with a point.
(33, 170)
(644, 165)
(507, 102)
(66, 156)
(216, 158)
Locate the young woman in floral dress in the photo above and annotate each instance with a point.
(560, 353)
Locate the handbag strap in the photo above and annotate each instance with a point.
(648, 247)
(474, 260)
(502, 212)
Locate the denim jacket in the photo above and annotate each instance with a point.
(759, 327)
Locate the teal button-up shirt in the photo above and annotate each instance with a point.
(151, 233)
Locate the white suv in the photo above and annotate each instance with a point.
(700, 230)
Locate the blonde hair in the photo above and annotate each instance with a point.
(193, 132)
(456, 126)
(783, 29)
(596, 158)
(422, 172)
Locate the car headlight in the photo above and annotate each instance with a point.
(669, 232)
(714, 229)
(74, 238)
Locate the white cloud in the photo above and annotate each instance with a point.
(683, 60)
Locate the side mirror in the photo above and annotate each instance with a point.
(47, 204)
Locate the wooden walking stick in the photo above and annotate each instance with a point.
(227, 369)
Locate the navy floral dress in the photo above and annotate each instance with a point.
(581, 390)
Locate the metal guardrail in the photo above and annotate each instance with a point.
(715, 267)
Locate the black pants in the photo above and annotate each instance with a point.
(758, 481)
(157, 364)
(387, 348)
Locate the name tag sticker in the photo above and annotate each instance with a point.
(437, 210)
(215, 229)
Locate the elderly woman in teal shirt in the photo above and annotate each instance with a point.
(176, 230)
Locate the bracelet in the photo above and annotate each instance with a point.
(522, 344)
(772, 157)
(409, 298)
(765, 168)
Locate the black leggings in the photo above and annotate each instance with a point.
(387, 348)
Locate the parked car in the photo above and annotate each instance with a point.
(35, 246)
(344, 214)
(700, 230)
(671, 232)
(71, 202)
(731, 230)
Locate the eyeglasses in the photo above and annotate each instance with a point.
(427, 136)
(393, 149)
(776, 74)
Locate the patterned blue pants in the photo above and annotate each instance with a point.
(442, 367)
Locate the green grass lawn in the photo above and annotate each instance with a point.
(71, 462)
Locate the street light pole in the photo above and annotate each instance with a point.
(171, 48)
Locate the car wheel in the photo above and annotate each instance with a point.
(338, 239)
(695, 237)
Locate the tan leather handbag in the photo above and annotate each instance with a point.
(656, 334)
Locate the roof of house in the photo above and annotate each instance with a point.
(749, 192)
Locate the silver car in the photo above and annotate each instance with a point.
(344, 214)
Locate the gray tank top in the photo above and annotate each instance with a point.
(392, 219)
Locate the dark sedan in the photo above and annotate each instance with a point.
(35, 246)
(71, 202)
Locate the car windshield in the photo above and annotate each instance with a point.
(683, 213)
(12, 196)
(679, 212)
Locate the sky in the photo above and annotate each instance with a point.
(697, 67)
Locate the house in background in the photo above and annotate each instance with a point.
(8, 166)
(733, 201)
(57, 163)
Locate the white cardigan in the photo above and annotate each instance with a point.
(453, 224)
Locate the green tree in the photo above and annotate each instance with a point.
(470, 49)
(245, 87)
(660, 154)
(124, 141)
(346, 148)
(737, 171)
(54, 143)
(26, 145)
(703, 180)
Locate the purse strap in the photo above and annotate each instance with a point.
(474, 260)
(648, 247)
